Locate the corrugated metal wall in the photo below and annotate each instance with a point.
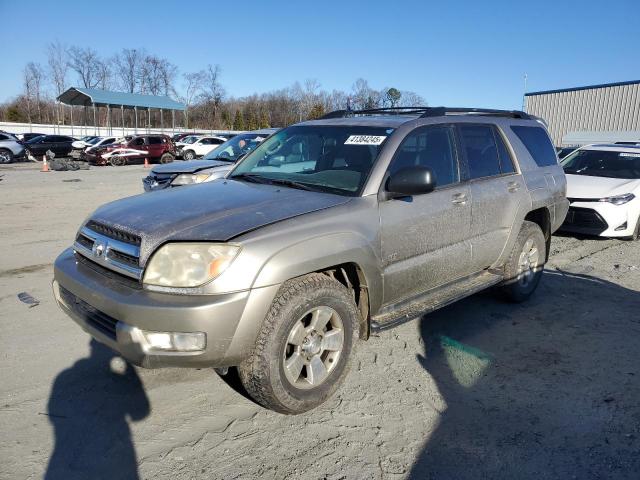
(593, 109)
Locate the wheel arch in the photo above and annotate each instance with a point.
(542, 217)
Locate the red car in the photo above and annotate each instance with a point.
(155, 148)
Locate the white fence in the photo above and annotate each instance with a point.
(79, 131)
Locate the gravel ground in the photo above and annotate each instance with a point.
(481, 389)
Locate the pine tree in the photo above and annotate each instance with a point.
(317, 111)
(226, 119)
(238, 121)
(264, 119)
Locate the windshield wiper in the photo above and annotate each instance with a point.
(224, 159)
(291, 183)
(251, 177)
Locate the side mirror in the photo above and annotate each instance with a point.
(410, 181)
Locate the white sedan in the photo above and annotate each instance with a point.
(603, 186)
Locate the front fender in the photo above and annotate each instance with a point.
(323, 252)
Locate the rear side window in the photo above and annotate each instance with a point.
(431, 147)
(506, 163)
(479, 145)
(154, 140)
(537, 142)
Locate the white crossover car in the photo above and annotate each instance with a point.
(603, 186)
(201, 146)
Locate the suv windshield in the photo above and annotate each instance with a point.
(334, 159)
(233, 149)
(189, 139)
(602, 163)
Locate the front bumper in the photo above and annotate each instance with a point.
(155, 182)
(114, 312)
(601, 218)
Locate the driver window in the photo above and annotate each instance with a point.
(431, 147)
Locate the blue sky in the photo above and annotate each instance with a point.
(456, 53)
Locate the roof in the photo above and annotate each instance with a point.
(587, 87)
(613, 148)
(590, 137)
(94, 96)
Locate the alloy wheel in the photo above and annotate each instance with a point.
(528, 262)
(313, 347)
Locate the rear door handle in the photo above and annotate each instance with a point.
(459, 199)
(513, 187)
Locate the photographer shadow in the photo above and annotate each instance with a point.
(89, 407)
(544, 389)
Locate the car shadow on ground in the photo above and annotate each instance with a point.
(89, 408)
(545, 389)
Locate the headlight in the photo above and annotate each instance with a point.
(190, 178)
(188, 264)
(619, 199)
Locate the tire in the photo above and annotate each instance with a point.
(166, 158)
(189, 155)
(636, 233)
(117, 161)
(288, 337)
(523, 269)
(6, 156)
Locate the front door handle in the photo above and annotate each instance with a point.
(459, 199)
(513, 187)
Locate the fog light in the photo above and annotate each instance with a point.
(176, 341)
(622, 227)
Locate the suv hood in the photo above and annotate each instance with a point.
(190, 166)
(585, 186)
(215, 211)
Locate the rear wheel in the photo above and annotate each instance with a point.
(118, 161)
(302, 352)
(189, 155)
(166, 158)
(524, 268)
(6, 156)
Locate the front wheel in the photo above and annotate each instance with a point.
(118, 161)
(189, 155)
(6, 156)
(302, 352)
(523, 270)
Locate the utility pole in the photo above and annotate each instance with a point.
(524, 92)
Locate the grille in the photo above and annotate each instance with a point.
(123, 258)
(84, 241)
(114, 233)
(585, 218)
(94, 317)
(112, 274)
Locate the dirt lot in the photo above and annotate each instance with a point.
(481, 389)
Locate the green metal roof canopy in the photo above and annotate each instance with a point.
(92, 96)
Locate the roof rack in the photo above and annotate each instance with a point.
(425, 112)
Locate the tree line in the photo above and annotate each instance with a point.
(208, 106)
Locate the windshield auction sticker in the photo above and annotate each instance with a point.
(365, 140)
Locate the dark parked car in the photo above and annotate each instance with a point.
(25, 137)
(179, 136)
(58, 144)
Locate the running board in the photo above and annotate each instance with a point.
(433, 300)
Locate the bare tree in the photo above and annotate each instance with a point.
(58, 67)
(157, 76)
(363, 96)
(193, 83)
(87, 65)
(127, 67)
(33, 80)
(411, 99)
(212, 91)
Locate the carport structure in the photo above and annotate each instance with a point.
(95, 98)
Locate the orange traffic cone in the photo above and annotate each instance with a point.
(45, 165)
(146, 163)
